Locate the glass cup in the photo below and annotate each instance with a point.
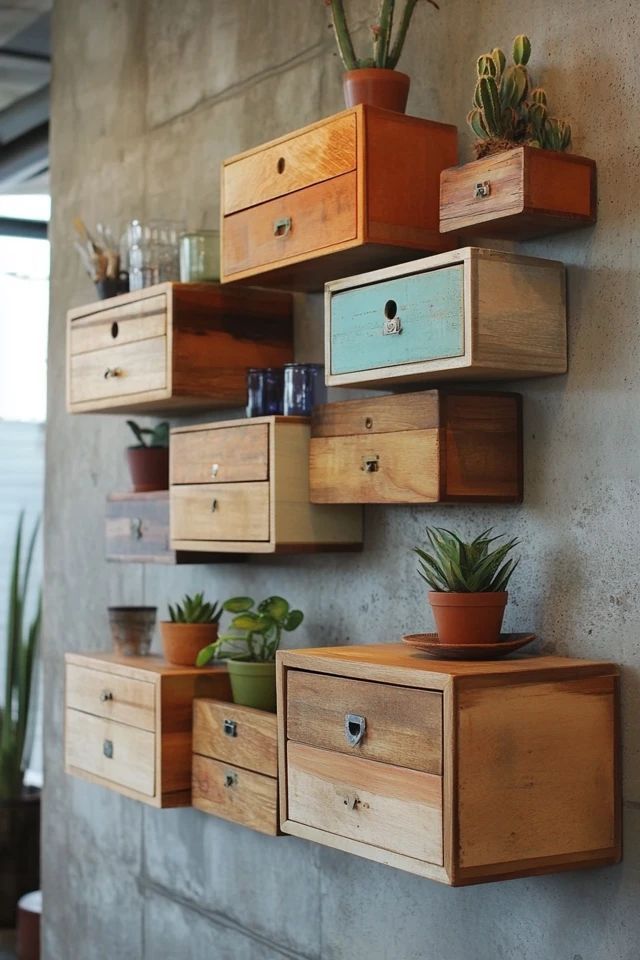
(304, 388)
(255, 392)
(200, 256)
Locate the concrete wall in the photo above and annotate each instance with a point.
(148, 99)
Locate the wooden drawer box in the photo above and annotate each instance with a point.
(519, 194)
(471, 314)
(429, 447)
(129, 721)
(173, 347)
(335, 197)
(235, 764)
(462, 772)
(243, 486)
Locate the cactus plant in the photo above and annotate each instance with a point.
(508, 111)
(386, 49)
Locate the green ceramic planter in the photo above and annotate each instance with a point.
(253, 684)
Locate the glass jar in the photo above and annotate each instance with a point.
(255, 392)
(200, 256)
(273, 391)
(304, 388)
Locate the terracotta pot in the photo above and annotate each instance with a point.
(149, 468)
(253, 684)
(468, 617)
(182, 642)
(377, 87)
(19, 851)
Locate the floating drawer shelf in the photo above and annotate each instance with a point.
(471, 314)
(129, 721)
(461, 772)
(175, 347)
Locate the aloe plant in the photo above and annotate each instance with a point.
(450, 565)
(158, 435)
(387, 47)
(21, 655)
(195, 610)
(256, 633)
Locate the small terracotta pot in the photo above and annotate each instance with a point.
(182, 642)
(377, 87)
(149, 468)
(468, 617)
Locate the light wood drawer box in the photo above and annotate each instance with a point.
(129, 723)
(217, 507)
(520, 774)
(325, 201)
(235, 764)
(173, 347)
(428, 447)
(469, 314)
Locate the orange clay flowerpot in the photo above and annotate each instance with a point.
(377, 87)
(182, 642)
(468, 617)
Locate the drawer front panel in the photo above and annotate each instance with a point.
(461, 204)
(108, 695)
(122, 754)
(231, 511)
(119, 371)
(406, 320)
(403, 726)
(387, 468)
(235, 794)
(238, 735)
(138, 527)
(302, 223)
(386, 806)
(311, 157)
(227, 455)
(141, 320)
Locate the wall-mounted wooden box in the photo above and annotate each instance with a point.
(235, 764)
(128, 723)
(461, 772)
(429, 447)
(243, 486)
(519, 194)
(357, 190)
(471, 314)
(173, 347)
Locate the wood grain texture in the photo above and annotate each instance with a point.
(132, 761)
(124, 699)
(236, 794)
(374, 415)
(220, 455)
(141, 367)
(141, 319)
(229, 511)
(253, 743)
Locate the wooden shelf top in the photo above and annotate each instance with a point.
(132, 666)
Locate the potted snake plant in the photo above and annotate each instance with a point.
(149, 459)
(192, 625)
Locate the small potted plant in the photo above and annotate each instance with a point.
(149, 459)
(193, 624)
(250, 648)
(468, 584)
(374, 80)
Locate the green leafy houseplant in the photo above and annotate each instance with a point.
(158, 436)
(193, 624)
(195, 610)
(149, 459)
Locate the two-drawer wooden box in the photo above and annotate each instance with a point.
(128, 723)
(428, 447)
(459, 771)
(357, 190)
(235, 764)
(472, 314)
(174, 347)
(243, 486)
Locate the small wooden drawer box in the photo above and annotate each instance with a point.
(235, 764)
(471, 314)
(243, 486)
(340, 195)
(461, 772)
(173, 347)
(129, 721)
(429, 447)
(519, 194)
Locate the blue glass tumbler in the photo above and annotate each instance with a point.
(272, 394)
(255, 392)
(304, 388)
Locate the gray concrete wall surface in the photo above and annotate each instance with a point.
(148, 98)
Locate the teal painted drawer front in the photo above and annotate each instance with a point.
(428, 306)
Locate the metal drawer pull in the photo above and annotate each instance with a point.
(351, 801)
(230, 728)
(282, 226)
(391, 325)
(105, 695)
(354, 728)
(107, 749)
(482, 190)
(214, 505)
(112, 372)
(135, 528)
(214, 469)
(370, 464)
(230, 780)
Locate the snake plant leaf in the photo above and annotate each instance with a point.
(160, 435)
(238, 604)
(293, 620)
(276, 607)
(454, 565)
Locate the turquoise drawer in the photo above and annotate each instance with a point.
(405, 320)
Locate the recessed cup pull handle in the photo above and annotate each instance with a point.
(105, 695)
(107, 749)
(282, 226)
(230, 728)
(482, 190)
(355, 728)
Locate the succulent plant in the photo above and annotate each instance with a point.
(508, 110)
(256, 632)
(158, 435)
(386, 49)
(453, 566)
(195, 610)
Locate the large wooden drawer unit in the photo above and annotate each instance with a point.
(235, 764)
(173, 347)
(471, 314)
(243, 486)
(357, 190)
(128, 723)
(428, 447)
(462, 772)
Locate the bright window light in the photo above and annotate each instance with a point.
(26, 206)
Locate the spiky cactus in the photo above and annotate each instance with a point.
(386, 49)
(508, 110)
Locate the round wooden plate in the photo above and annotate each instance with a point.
(430, 644)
